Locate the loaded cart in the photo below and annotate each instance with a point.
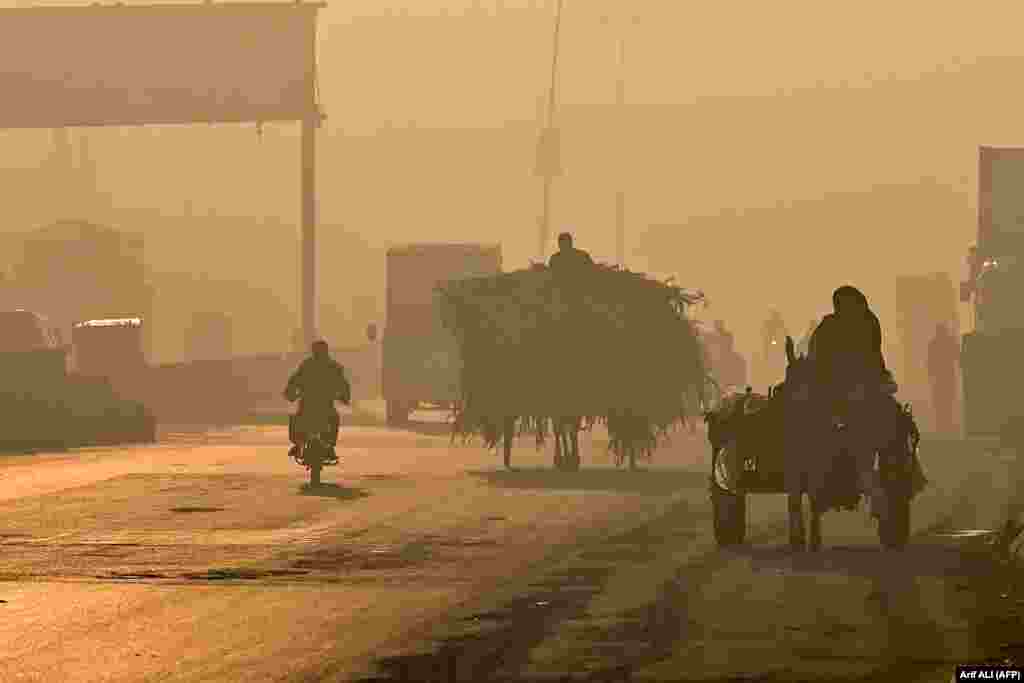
(748, 456)
(548, 351)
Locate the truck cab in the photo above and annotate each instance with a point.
(420, 363)
(27, 331)
(32, 356)
(108, 347)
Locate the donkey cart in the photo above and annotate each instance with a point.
(749, 457)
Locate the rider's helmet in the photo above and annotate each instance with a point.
(320, 348)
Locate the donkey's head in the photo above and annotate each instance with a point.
(790, 351)
(798, 373)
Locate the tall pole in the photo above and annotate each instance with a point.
(620, 203)
(62, 170)
(309, 231)
(307, 162)
(549, 140)
(554, 66)
(620, 228)
(87, 178)
(545, 221)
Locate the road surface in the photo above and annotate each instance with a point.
(203, 558)
(662, 603)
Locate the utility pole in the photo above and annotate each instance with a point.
(308, 170)
(86, 171)
(548, 156)
(307, 164)
(620, 26)
(62, 168)
(620, 161)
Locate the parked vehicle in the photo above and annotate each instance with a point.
(420, 357)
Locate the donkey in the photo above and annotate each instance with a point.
(817, 459)
(500, 433)
(508, 435)
(567, 443)
(806, 463)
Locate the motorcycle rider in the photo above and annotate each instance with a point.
(846, 349)
(318, 382)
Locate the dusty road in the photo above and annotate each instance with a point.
(662, 603)
(203, 559)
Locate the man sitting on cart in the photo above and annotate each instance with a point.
(846, 350)
(568, 259)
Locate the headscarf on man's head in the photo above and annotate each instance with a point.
(848, 291)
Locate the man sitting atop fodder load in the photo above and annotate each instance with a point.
(613, 345)
(569, 259)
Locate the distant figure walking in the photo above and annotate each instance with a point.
(943, 357)
(804, 346)
(568, 259)
(773, 339)
(732, 367)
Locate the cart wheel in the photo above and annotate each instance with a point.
(730, 517)
(894, 529)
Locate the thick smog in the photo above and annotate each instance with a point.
(510, 340)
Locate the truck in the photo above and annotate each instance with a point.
(420, 361)
(48, 407)
(990, 354)
(209, 337)
(24, 330)
(108, 347)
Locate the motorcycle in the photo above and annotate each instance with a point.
(315, 449)
(313, 434)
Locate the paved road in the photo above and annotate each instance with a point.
(204, 559)
(662, 603)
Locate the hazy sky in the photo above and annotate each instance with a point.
(774, 102)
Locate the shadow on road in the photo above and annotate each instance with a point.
(972, 593)
(335, 491)
(866, 561)
(643, 481)
(429, 429)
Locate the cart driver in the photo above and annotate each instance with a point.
(846, 349)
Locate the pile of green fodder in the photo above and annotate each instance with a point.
(606, 345)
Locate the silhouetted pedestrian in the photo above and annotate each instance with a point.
(943, 356)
